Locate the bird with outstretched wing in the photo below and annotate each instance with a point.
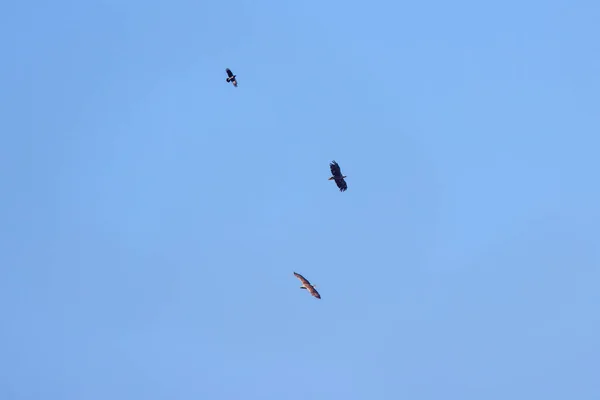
(337, 176)
(307, 285)
(231, 77)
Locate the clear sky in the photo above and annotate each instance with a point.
(153, 215)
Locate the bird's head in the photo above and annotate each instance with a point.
(330, 178)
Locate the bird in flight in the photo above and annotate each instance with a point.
(307, 285)
(337, 176)
(231, 77)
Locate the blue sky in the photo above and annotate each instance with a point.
(153, 215)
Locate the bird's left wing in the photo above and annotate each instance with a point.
(302, 279)
(335, 169)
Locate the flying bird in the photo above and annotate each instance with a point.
(337, 176)
(307, 285)
(231, 77)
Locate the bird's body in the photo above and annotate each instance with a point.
(231, 77)
(337, 176)
(307, 285)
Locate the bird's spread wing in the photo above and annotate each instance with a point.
(229, 73)
(308, 286)
(335, 169)
(314, 292)
(302, 279)
(341, 183)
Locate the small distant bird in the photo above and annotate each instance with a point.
(306, 285)
(231, 77)
(337, 176)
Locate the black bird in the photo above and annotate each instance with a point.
(337, 176)
(231, 77)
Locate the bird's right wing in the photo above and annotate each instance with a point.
(229, 73)
(341, 183)
(314, 292)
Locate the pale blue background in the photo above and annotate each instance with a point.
(152, 214)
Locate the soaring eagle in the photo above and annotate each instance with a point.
(337, 176)
(306, 285)
(231, 77)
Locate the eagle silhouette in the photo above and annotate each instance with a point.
(337, 176)
(231, 77)
(307, 285)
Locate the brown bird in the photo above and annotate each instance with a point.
(306, 285)
(231, 77)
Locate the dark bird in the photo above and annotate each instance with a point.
(337, 176)
(306, 285)
(231, 77)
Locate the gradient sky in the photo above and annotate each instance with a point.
(153, 215)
